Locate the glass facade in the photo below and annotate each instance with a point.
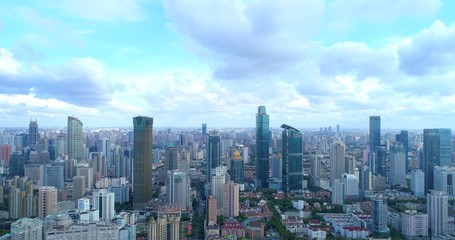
(292, 159)
(437, 150)
(213, 153)
(262, 148)
(375, 132)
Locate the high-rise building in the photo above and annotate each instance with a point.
(204, 128)
(33, 135)
(231, 199)
(414, 224)
(397, 174)
(211, 210)
(444, 180)
(15, 203)
(36, 173)
(171, 157)
(403, 138)
(364, 181)
(87, 172)
(47, 201)
(337, 160)
(315, 168)
(178, 189)
(437, 209)
(60, 145)
(213, 153)
(104, 201)
(418, 183)
(27, 229)
(380, 215)
(78, 187)
(351, 186)
(292, 159)
(277, 167)
(262, 148)
(375, 132)
(437, 151)
(75, 138)
(237, 168)
(143, 141)
(53, 174)
(338, 192)
(217, 185)
(166, 225)
(16, 164)
(381, 160)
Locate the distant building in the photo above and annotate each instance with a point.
(437, 151)
(402, 138)
(292, 159)
(75, 138)
(262, 148)
(337, 160)
(171, 157)
(33, 135)
(53, 175)
(418, 183)
(237, 170)
(79, 187)
(213, 153)
(375, 132)
(27, 229)
(397, 173)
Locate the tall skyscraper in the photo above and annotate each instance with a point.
(338, 192)
(381, 160)
(217, 185)
(171, 157)
(315, 168)
(33, 135)
(397, 173)
(104, 201)
(53, 174)
(437, 151)
(337, 160)
(213, 152)
(78, 187)
(403, 138)
(364, 180)
(16, 164)
(292, 159)
(351, 186)
(204, 128)
(418, 183)
(262, 148)
(375, 132)
(47, 201)
(380, 215)
(237, 168)
(75, 138)
(438, 213)
(277, 166)
(143, 142)
(178, 189)
(231, 199)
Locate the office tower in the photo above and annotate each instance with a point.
(47, 201)
(104, 201)
(277, 167)
(380, 215)
(27, 229)
(178, 189)
(15, 203)
(372, 162)
(75, 138)
(104, 146)
(375, 132)
(211, 210)
(217, 185)
(397, 173)
(231, 199)
(204, 128)
(414, 224)
(36, 173)
(262, 148)
(78, 187)
(338, 192)
(60, 145)
(292, 159)
(402, 137)
(315, 168)
(418, 183)
(166, 225)
(100, 164)
(87, 172)
(351, 186)
(381, 160)
(237, 168)
(213, 152)
(53, 175)
(437, 150)
(143, 142)
(364, 181)
(337, 160)
(171, 156)
(33, 135)
(444, 179)
(16, 164)
(437, 209)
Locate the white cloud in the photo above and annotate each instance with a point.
(8, 65)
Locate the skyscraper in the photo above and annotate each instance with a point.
(204, 128)
(262, 148)
(380, 215)
(143, 142)
(237, 168)
(33, 135)
(217, 185)
(375, 132)
(16, 167)
(438, 213)
(78, 187)
(211, 210)
(418, 183)
(171, 157)
(437, 150)
(75, 138)
(47, 201)
(397, 173)
(292, 159)
(403, 138)
(53, 175)
(213, 152)
(337, 160)
(381, 160)
(231, 199)
(178, 189)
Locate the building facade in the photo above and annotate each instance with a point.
(262, 148)
(292, 159)
(75, 138)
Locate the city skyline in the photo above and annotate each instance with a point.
(330, 62)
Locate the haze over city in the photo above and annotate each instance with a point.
(312, 63)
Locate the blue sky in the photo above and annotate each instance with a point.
(184, 62)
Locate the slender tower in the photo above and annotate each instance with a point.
(262, 148)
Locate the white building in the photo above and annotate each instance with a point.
(414, 224)
(83, 204)
(316, 233)
(27, 229)
(351, 185)
(397, 174)
(217, 187)
(437, 207)
(444, 178)
(178, 189)
(104, 201)
(418, 183)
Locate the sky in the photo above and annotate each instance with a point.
(186, 62)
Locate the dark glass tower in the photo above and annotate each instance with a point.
(403, 138)
(213, 153)
(381, 158)
(171, 157)
(33, 135)
(437, 150)
(375, 132)
(292, 159)
(204, 128)
(237, 168)
(142, 180)
(262, 148)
